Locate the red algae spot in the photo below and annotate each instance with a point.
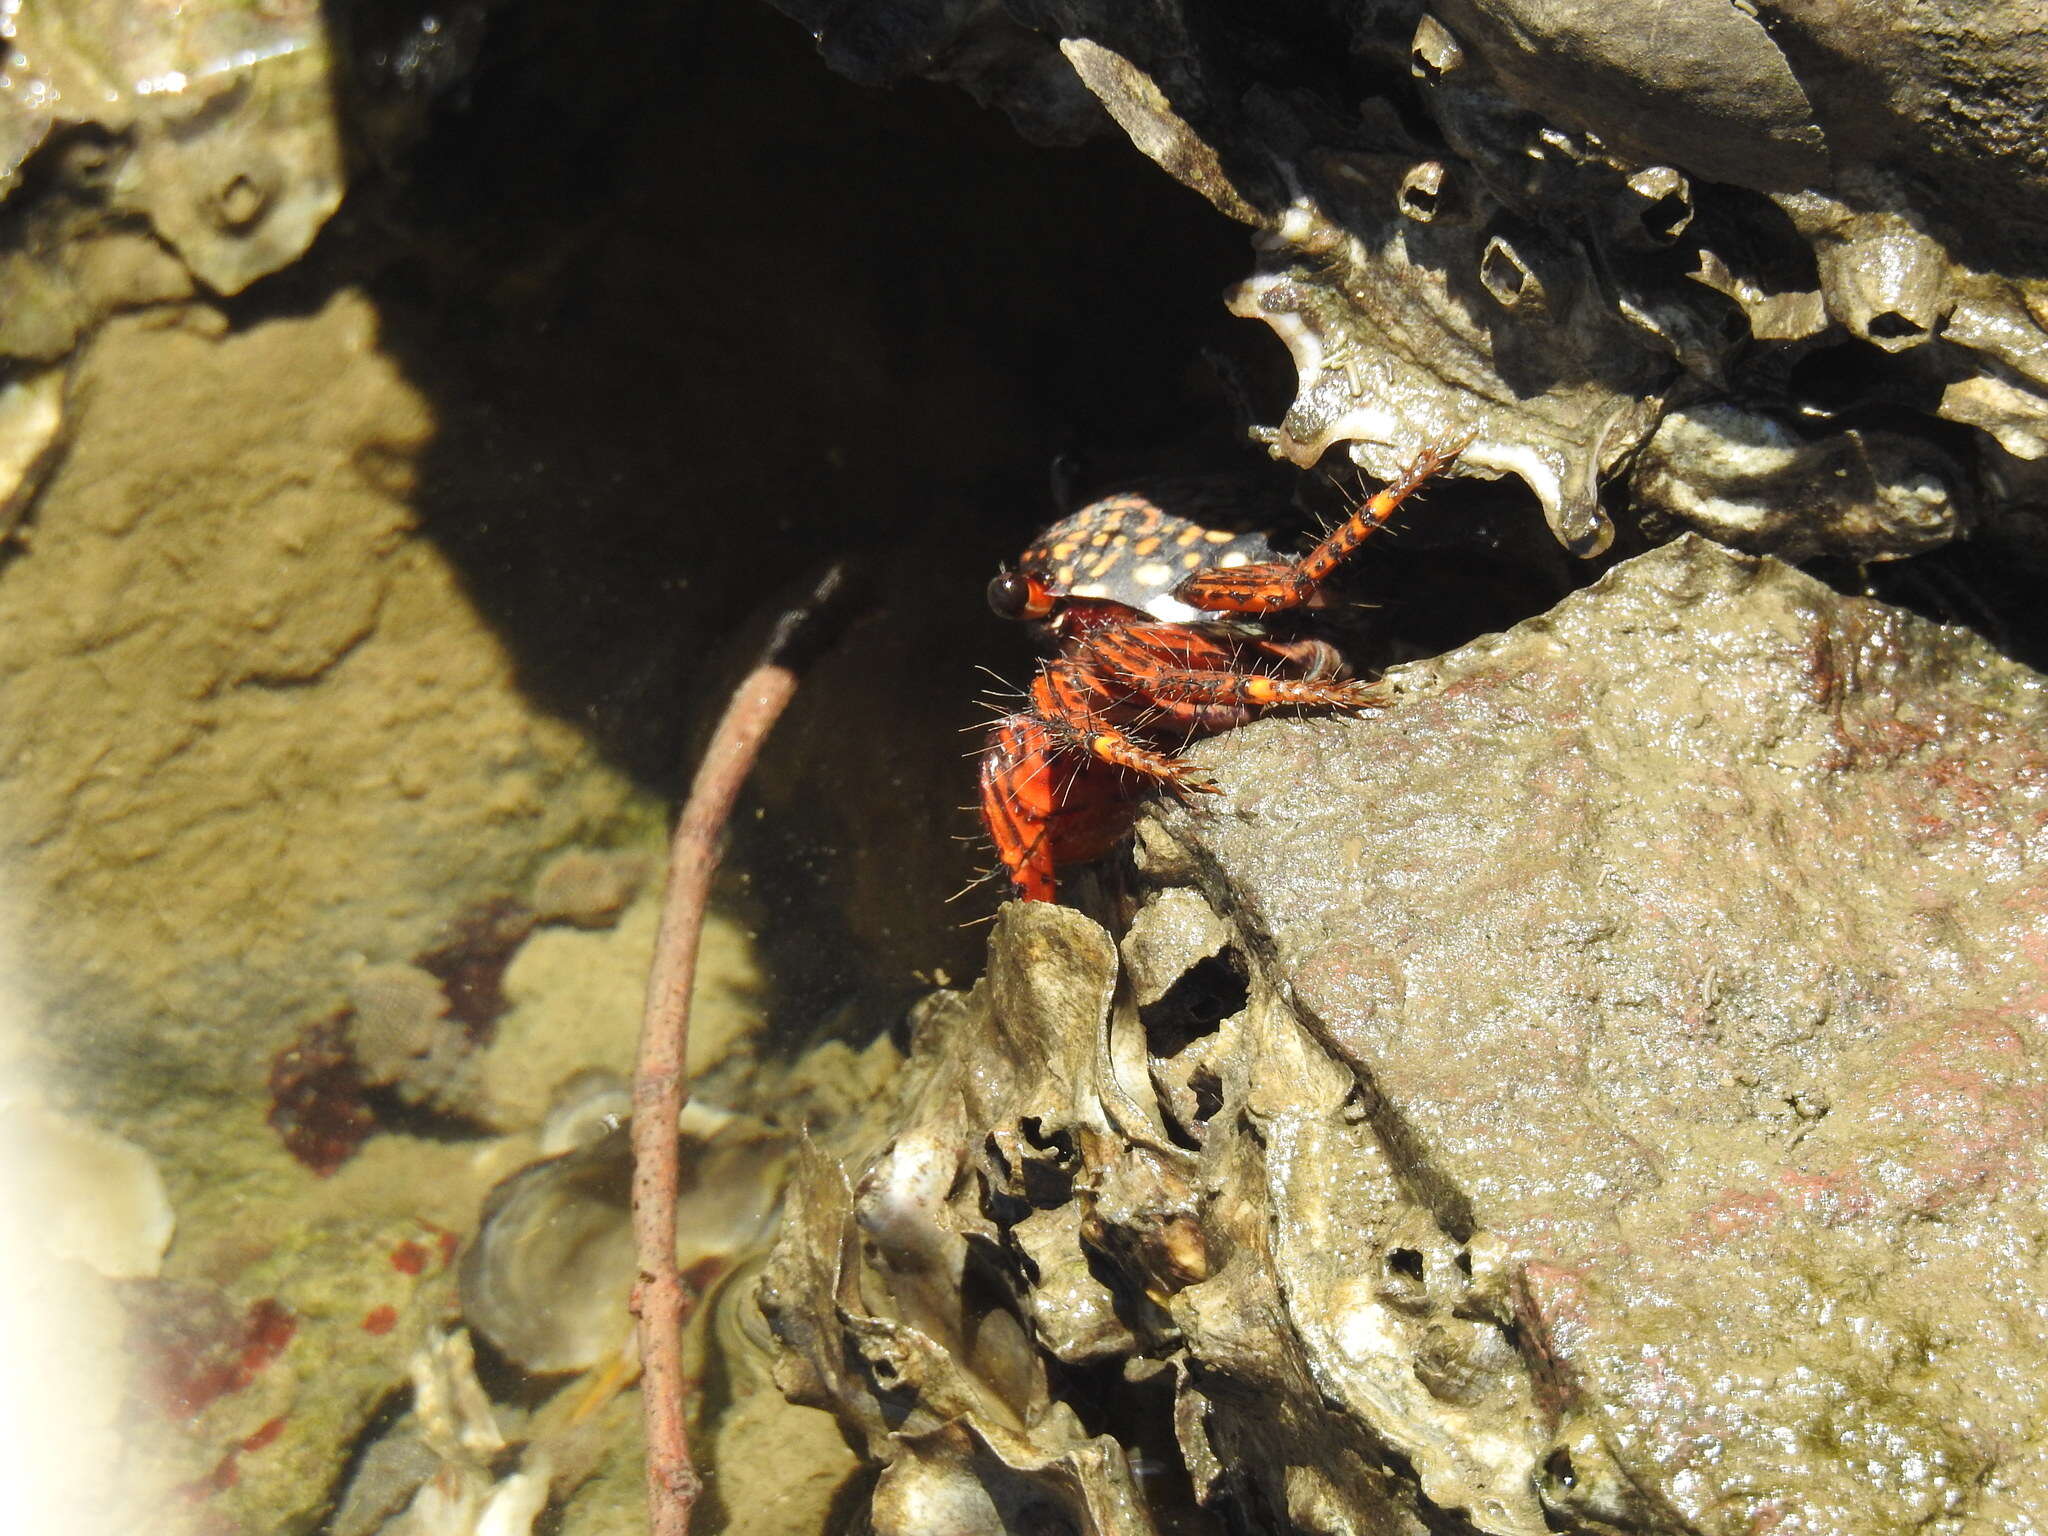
(271, 1429)
(380, 1320)
(470, 962)
(194, 1349)
(316, 1097)
(409, 1258)
(319, 1104)
(225, 1475)
(448, 1243)
(228, 1470)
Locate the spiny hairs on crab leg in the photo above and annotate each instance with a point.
(1279, 585)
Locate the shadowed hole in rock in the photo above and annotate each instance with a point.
(1893, 324)
(426, 1122)
(1504, 274)
(1404, 1286)
(1060, 1142)
(1206, 994)
(1177, 1132)
(391, 1408)
(1557, 1467)
(504, 1380)
(1464, 1262)
(1860, 377)
(1208, 1091)
(1139, 1414)
(1666, 218)
(1753, 236)
(999, 1205)
(1048, 1183)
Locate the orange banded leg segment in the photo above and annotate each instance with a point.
(1018, 798)
(1106, 744)
(1254, 691)
(1068, 696)
(1283, 584)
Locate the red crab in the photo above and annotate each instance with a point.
(1148, 617)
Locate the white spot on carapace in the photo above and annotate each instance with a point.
(1154, 574)
(1233, 560)
(1171, 610)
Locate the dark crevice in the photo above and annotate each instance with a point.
(1207, 993)
(390, 1409)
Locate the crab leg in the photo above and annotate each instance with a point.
(1069, 699)
(1199, 679)
(1018, 800)
(1282, 584)
(1256, 691)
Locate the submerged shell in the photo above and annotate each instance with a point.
(547, 1278)
(91, 1196)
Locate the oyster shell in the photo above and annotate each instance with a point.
(547, 1277)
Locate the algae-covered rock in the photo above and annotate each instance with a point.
(264, 755)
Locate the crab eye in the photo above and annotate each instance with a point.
(1015, 596)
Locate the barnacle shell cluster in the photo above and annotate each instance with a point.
(1719, 258)
(1042, 1209)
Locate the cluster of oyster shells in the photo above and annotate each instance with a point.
(1777, 270)
(1056, 1204)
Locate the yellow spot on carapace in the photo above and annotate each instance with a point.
(1192, 561)
(1146, 545)
(1219, 536)
(1064, 550)
(1187, 535)
(1100, 538)
(1064, 575)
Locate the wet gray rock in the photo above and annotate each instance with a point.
(1601, 1092)
(1687, 952)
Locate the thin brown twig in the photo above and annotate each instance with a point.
(660, 1079)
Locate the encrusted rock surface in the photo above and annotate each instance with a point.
(1544, 224)
(1602, 1092)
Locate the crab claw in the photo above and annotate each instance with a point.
(1188, 781)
